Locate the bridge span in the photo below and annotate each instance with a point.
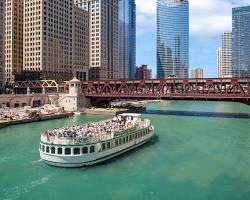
(231, 89)
(235, 89)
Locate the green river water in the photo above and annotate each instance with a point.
(193, 158)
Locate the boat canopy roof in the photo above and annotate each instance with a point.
(129, 115)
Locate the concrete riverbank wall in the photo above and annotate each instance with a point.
(36, 119)
(21, 100)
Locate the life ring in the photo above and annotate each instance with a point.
(151, 128)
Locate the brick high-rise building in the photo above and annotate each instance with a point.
(143, 73)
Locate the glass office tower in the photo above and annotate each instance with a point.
(127, 39)
(241, 41)
(172, 38)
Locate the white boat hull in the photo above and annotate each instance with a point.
(95, 158)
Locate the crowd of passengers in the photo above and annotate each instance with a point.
(92, 130)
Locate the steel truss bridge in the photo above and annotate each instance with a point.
(196, 89)
(235, 89)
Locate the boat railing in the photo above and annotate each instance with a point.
(46, 138)
(144, 124)
(74, 140)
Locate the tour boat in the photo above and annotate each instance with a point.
(92, 143)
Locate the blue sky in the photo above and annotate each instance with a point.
(208, 19)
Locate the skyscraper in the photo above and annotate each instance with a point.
(127, 39)
(241, 41)
(225, 62)
(48, 38)
(103, 25)
(172, 38)
(80, 47)
(2, 64)
(197, 72)
(143, 72)
(14, 38)
(219, 62)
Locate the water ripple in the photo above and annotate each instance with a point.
(36, 161)
(16, 191)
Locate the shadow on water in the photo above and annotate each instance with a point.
(198, 114)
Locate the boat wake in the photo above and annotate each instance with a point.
(16, 191)
(36, 161)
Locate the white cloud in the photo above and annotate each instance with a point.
(208, 17)
(146, 16)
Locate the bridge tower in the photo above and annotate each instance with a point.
(75, 100)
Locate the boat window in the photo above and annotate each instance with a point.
(127, 139)
(85, 150)
(92, 149)
(43, 148)
(132, 137)
(116, 142)
(67, 151)
(76, 151)
(136, 135)
(53, 150)
(120, 140)
(103, 146)
(108, 145)
(59, 150)
(124, 140)
(47, 149)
